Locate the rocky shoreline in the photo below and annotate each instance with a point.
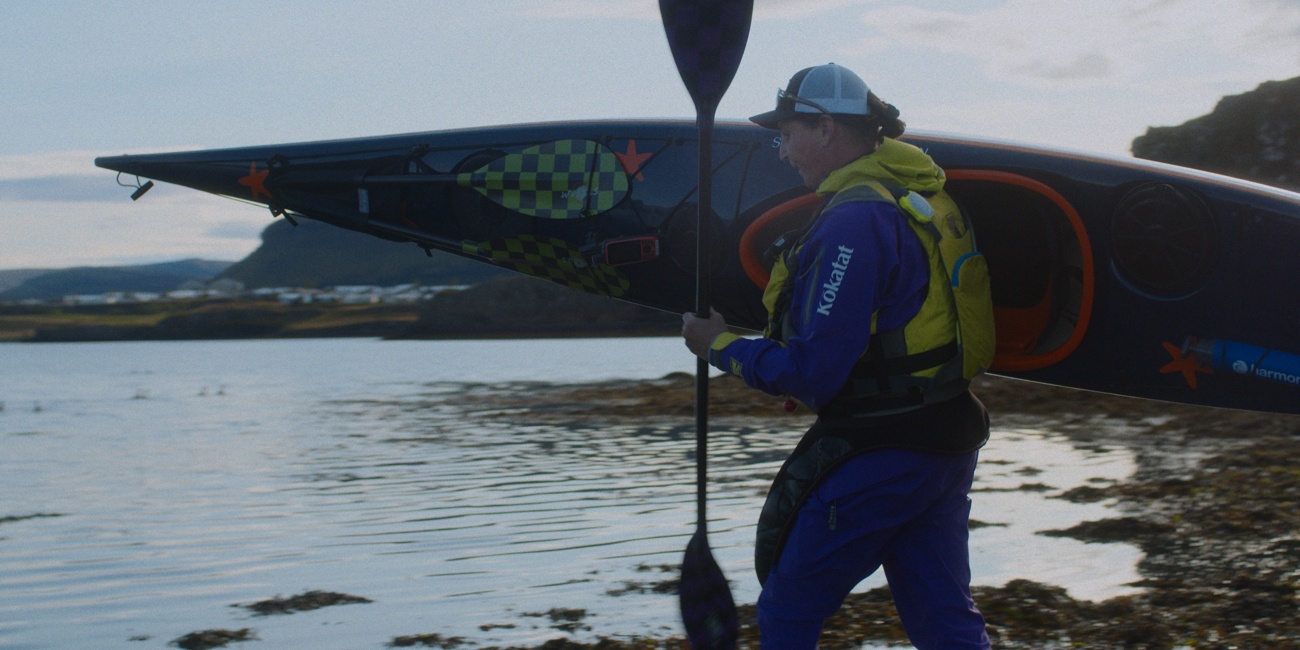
(1212, 505)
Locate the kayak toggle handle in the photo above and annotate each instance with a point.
(140, 188)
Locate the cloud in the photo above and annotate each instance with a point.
(1013, 41)
(788, 9)
(68, 177)
(588, 9)
(649, 9)
(1103, 42)
(61, 211)
(71, 188)
(52, 163)
(1088, 65)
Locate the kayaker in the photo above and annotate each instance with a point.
(863, 328)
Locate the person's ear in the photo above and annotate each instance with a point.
(826, 129)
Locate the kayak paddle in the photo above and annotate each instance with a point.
(707, 39)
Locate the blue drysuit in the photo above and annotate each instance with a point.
(897, 496)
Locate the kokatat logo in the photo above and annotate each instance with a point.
(831, 288)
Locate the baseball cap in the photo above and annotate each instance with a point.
(830, 89)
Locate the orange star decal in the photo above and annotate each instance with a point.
(1188, 365)
(256, 181)
(632, 160)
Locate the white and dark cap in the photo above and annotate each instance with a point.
(831, 89)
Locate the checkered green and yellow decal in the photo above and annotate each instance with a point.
(551, 259)
(566, 179)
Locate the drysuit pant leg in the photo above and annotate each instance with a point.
(928, 569)
(859, 518)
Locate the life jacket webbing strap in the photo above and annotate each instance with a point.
(907, 365)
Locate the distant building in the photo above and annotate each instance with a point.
(225, 288)
(87, 299)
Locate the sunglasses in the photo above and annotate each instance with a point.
(785, 94)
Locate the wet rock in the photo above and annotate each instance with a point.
(1122, 529)
(567, 620)
(205, 639)
(302, 602)
(672, 396)
(1086, 494)
(427, 640)
(12, 518)
(607, 644)
(667, 585)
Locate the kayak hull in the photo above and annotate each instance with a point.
(1109, 274)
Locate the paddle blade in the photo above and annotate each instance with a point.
(707, 38)
(708, 610)
(566, 179)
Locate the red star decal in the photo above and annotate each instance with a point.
(632, 160)
(1189, 366)
(256, 181)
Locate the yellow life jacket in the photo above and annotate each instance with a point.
(948, 342)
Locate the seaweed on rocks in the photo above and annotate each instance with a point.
(206, 639)
(302, 602)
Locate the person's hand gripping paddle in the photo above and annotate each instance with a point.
(707, 39)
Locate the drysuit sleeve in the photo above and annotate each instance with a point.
(861, 259)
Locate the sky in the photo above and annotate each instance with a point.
(80, 79)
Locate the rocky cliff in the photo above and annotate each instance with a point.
(1254, 135)
(313, 254)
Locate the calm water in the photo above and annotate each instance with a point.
(191, 477)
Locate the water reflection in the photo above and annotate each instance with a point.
(1022, 475)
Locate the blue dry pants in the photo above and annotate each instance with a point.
(906, 511)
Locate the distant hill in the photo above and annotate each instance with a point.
(313, 254)
(10, 278)
(104, 279)
(1254, 135)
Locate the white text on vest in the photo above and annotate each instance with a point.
(831, 289)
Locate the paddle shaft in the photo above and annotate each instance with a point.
(707, 39)
(704, 121)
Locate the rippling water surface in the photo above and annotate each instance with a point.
(151, 488)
